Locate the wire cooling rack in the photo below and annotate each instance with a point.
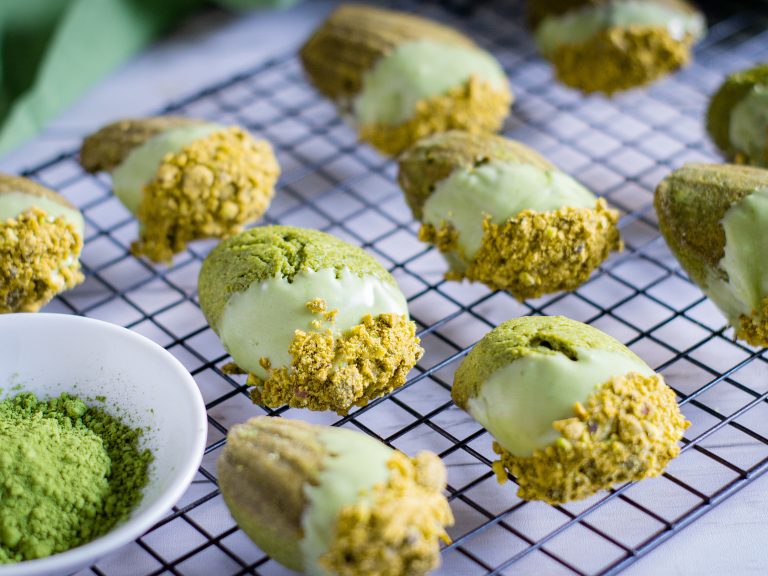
(620, 148)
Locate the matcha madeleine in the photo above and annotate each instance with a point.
(737, 118)
(401, 77)
(572, 410)
(328, 501)
(613, 45)
(41, 237)
(316, 322)
(714, 219)
(505, 216)
(183, 179)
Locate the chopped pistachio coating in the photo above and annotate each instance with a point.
(536, 253)
(627, 58)
(209, 189)
(330, 501)
(395, 532)
(615, 45)
(628, 430)
(38, 259)
(103, 151)
(330, 372)
(367, 60)
(713, 218)
(504, 215)
(737, 118)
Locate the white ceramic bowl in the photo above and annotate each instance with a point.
(52, 353)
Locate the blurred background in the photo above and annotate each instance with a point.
(53, 51)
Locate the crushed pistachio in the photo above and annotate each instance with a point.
(445, 238)
(621, 58)
(330, 315)
(337, 372)
(209, 189)
(535, 253)
(396, 529)
(317, 306)
(38, 259)
(628, 430)
(754, 329)
(232, 369)
(476, 107)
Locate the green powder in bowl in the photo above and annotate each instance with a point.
(68, 473)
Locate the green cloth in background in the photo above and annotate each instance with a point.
(51, 51)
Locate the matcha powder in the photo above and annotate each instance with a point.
(68, 473)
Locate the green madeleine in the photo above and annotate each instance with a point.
(316, 323)
(500, 190)
(325, 501)
(278, 308)
(749, 125)
(354, 464)
(572, 410)
(714, 218)
(142, 162)
(581, 24)
(418, 70)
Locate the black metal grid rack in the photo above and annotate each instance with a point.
(620, 148)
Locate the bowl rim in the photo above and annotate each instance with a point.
(182, 477)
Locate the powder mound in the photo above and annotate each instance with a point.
(209, 189)
(620, 59)
(754, 328)
(68, 474)
(628, 430)
(38, 259)
(329, 372)
(476, 107)
(535, 253)
(395, 530)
